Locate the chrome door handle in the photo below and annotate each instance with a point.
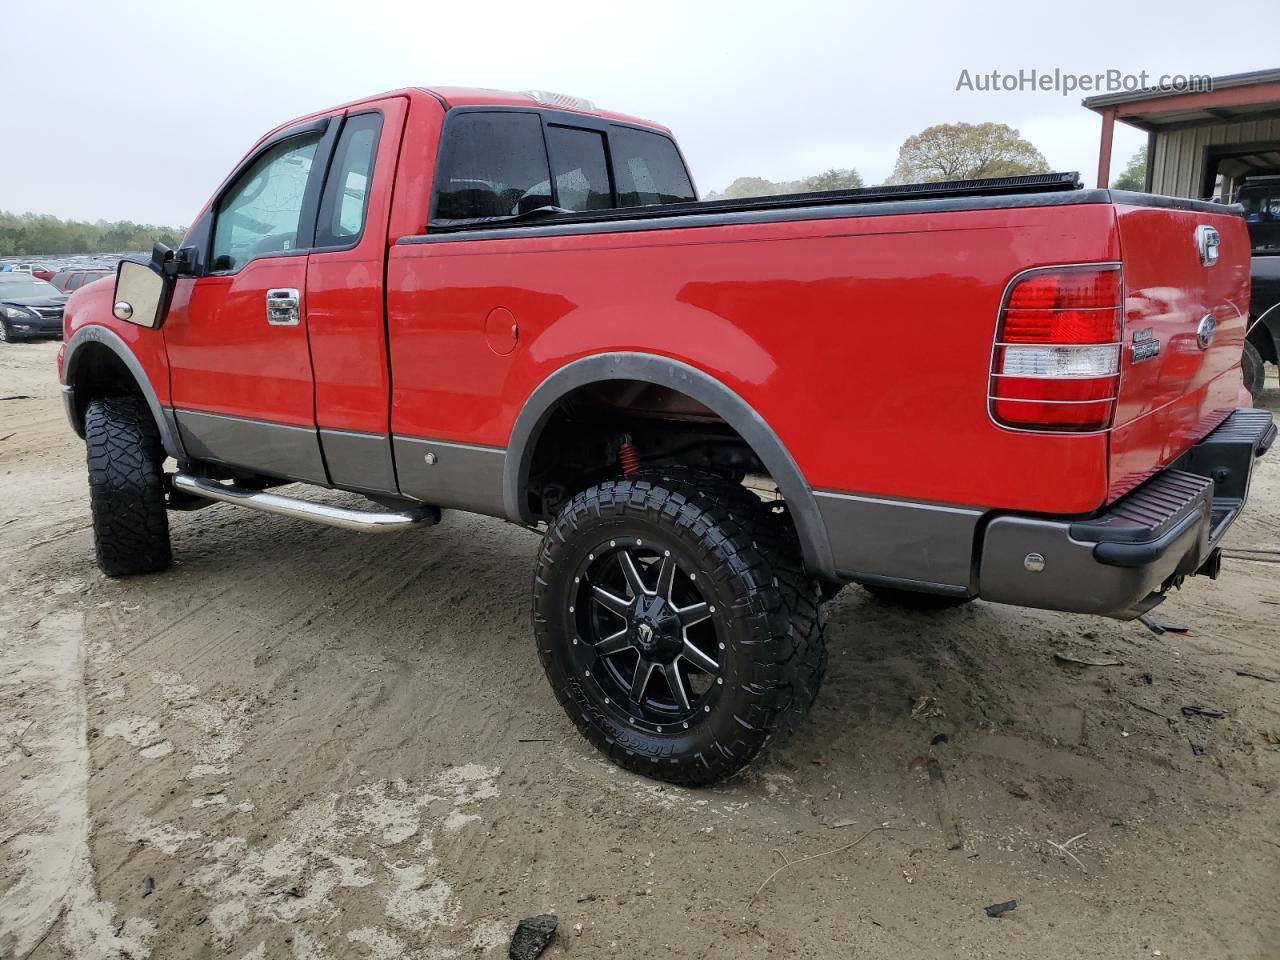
(282, 307)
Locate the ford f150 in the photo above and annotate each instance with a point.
(513, 304)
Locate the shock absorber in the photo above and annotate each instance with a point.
(628, 456)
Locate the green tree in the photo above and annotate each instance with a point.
(750, 187)
(37, 235)
(834, 179)
(1134, 176)
(966, 151)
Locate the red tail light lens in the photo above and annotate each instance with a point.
(1056, 363)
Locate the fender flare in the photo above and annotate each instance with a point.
(666, 372)
(163, 416)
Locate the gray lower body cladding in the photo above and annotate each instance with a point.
(1117, 563)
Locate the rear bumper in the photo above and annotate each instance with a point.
(1120, 563)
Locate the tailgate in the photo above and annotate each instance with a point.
(1180, 372)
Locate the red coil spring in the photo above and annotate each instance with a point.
(628, 457)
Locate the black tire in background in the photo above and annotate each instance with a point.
(1254, 371)
(761, 668)
(913, 600)
(126, 487)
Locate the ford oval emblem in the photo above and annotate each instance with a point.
(1204, 333)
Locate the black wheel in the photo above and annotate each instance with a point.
(1255, 373)
(5, 335)
(911, 600)
(666, 631)
(126, 487)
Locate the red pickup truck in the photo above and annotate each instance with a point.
(716, 413)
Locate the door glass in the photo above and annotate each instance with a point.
(259, 215)
(346, 192)
(579, 166)
(494, 165)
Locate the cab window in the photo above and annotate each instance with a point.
(346, 194)
(493, 165)
(648, 169)
(260, 214)
(580, 169)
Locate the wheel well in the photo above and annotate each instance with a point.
(1263, 339)
(99, 372)
(582, 440)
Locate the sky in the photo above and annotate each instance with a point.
(137, 111)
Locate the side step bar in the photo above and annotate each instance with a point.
(361, 521)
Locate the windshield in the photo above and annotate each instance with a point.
(25, 289)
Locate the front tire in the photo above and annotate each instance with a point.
(126, 487)
(665, 631)
(6, 335)
(1254, 371)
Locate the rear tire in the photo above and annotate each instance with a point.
(1254, 371)
(759, 672)
(912, 600)
(126, 487)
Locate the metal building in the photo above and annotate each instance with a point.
(1203, 143)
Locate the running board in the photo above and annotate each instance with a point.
(361, 521)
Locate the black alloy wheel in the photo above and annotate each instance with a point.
(670, 630)
(646, 632)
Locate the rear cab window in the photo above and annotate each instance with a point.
(496, 164)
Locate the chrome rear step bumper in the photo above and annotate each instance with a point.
(361, 521)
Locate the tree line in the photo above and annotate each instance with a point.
(40, 235)
(947, 151)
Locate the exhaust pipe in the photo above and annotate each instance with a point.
(361, 521)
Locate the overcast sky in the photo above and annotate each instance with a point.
(135, 111)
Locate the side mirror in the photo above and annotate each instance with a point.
(143, 290)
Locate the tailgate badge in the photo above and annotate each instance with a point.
(1204, 333)
(1145, 345)
(1208, 241)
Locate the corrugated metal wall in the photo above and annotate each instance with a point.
(1180, 154)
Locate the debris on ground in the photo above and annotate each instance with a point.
(1196, 749)
(998, 909)
(939, 739)
(1158, 627)
(942, 803)
(148, 886)
(1257, 676)
(532, 936)
(925, 707)
(1062, 848)
(1065, 656)
(1213, 713)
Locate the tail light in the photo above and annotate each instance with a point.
(1056, 363)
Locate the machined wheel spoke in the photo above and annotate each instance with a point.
(672, 672)
(632, 573)
(640, 679)
(614, 643)
(611, 602)
(666, 577)
(699, 659)
(694, 613)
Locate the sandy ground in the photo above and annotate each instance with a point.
(301, 743)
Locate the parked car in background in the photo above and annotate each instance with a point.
(1260, 197)
(37, 270)
(29, 307)
(68, 281)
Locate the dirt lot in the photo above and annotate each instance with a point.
(301, 743)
